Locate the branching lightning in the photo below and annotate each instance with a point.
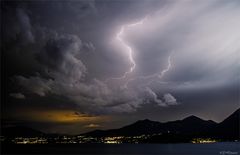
(129, 51)
(155, 75)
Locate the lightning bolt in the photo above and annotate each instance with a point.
(163, 72)
(129, 50)
(158, 75)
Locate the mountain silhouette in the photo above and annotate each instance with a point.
(190, 127)
(174, 131)
(230, 127)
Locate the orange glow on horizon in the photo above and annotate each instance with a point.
(59, 116)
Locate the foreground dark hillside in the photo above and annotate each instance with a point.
(180, 130)
(144, 131)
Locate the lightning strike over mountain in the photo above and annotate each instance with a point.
(73, 67)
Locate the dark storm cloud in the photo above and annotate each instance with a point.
(17, 95)
(35, 85)
(25, 25)
(60, 56)
(166, 100)
(69, 48)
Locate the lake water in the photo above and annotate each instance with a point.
(226, 148)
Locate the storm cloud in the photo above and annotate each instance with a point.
(72, 50)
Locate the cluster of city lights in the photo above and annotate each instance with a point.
(88, 139)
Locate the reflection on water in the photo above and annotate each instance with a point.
(225, 148)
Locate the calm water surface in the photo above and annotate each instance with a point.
(226, 148)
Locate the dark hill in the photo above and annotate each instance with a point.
(189, 125)
(229, 128)
(20, 131)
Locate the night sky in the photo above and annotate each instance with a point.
(76, 66)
